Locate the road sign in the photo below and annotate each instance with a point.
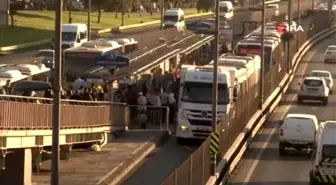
(214, 143)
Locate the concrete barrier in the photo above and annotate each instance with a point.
(241, 143)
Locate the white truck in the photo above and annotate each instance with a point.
(324, 165)
(195, 99)
(174, 18)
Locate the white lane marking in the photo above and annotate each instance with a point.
(264, 146)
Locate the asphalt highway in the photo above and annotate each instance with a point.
(262, 164)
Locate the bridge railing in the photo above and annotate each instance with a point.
(19, 112)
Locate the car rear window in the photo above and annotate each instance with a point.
(319, 74)
(298, 121)
(313, 83)
(331, 48)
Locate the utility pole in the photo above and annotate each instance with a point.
(57, 86)
(161, 12)
(215, 82)
(123, 12)
(89, 19)
(262, 52)
(299, 23)
(290, 23)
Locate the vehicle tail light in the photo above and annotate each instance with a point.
(281, 132)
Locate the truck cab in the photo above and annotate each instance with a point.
(324, 164)
(74, 35)
(194, 119)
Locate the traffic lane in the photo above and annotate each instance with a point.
(158, 165)
(261, 164)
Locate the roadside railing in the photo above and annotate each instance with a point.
(151, 117)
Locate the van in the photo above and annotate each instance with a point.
(298, 131)
(226, 10)
(74, 35)
(324, 156)
(174, 18)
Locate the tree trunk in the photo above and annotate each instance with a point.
(12, 20)
(99, 14)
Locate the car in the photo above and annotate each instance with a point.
(330, 54)
(327, 77)
(298, 131)
(46, 56)
(313, 88)
(200, 26)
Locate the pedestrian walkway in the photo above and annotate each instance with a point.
(112, 163)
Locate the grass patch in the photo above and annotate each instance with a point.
(33, 26)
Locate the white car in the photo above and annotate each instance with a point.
(298, 131)
(327, 77)
(313, 88)
(330, 54)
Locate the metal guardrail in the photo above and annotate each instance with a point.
(242, 114)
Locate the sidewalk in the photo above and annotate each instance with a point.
(111, 164)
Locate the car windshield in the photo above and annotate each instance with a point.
(69, 36)
(223, 9)
(320, 74)
(316, 83)
(202, 93)
(45, 54)
(172, 18)
(332, 48)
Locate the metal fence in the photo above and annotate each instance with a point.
(239, 115)
(146, 116)
(36, 113)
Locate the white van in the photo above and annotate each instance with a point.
(74, 35)
(298, 131)
(174, 18)
(324, 165)
(226, 10)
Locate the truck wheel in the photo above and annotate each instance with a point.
(181, 141)
(282, 151)
(325, 101)
(299, 100)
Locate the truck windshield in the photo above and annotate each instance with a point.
(69, 36)
(202, 93)
(172, 18)
(329, 151)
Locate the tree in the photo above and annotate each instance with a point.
(13, 8)
(98, 4)
(205, 5)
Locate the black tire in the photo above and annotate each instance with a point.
(299, 100)
(181, 141)
(325, 101)
(282, 151)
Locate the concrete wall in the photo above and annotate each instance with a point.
(3, 12)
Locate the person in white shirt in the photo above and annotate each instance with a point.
(154, 98)
(78, 83)
(142, 102)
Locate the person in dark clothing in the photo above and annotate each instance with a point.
(75, 95)
(144, 89)
(70, 91)
(132, 96)
(86, 96)
(48, 93)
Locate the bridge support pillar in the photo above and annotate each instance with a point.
(66, 152)
(18, 167)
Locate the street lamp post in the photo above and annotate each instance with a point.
(262, 53)
(89, 19)
(122, 12)
(215, 82)
(57, 86)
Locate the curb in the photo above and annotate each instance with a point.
(127, 167)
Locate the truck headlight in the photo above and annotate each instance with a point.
(184, 128)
